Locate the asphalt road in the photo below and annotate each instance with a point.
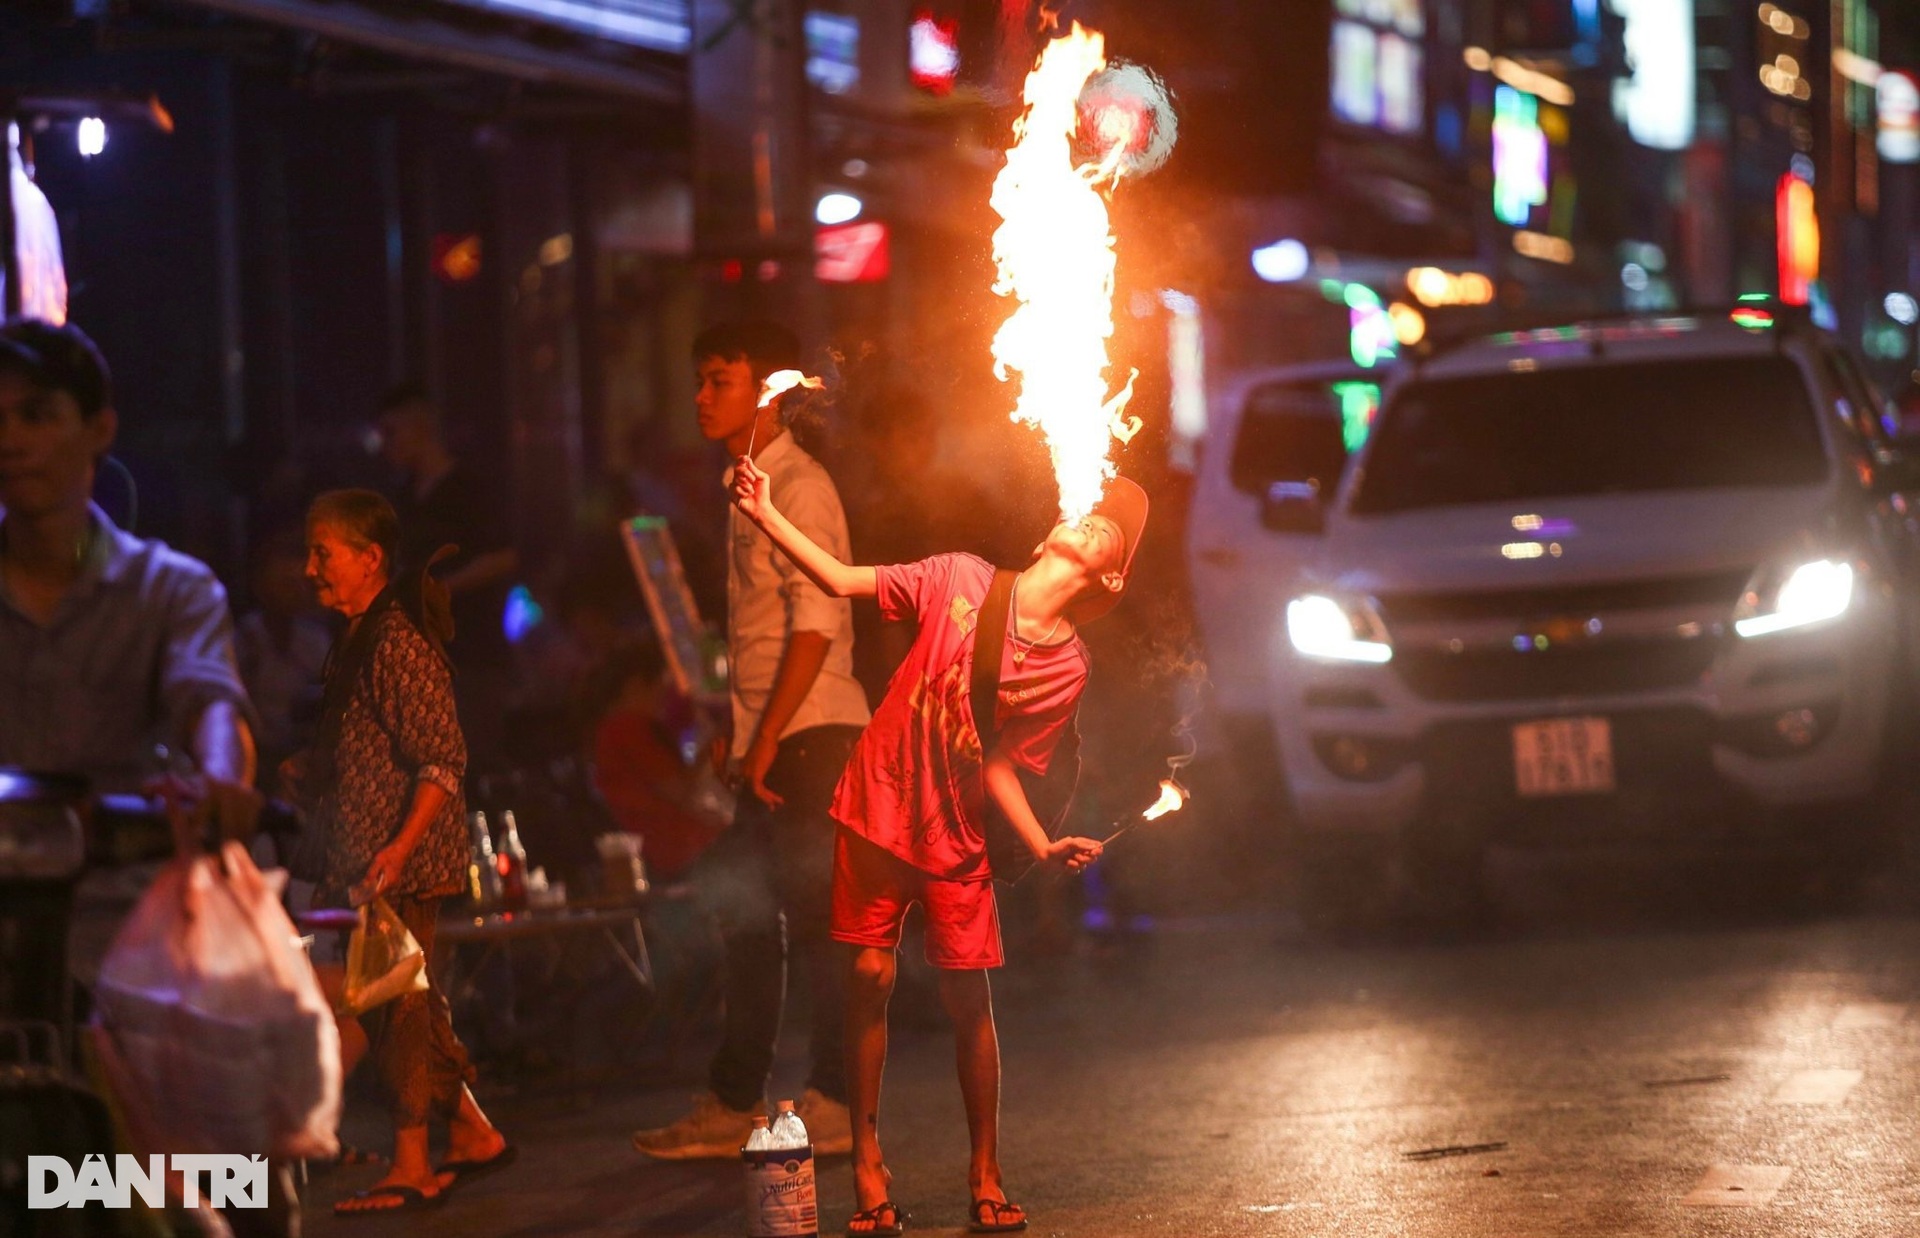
(1634, 1051)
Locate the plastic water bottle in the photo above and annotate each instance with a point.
(781, 1198)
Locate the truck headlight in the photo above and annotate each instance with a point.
(1809, 593)
(1321, 627)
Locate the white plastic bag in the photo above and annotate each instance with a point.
(217, 1017)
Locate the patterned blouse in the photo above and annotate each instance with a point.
(399, 729)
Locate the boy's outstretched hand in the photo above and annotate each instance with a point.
(752, 489)
(1072, 854)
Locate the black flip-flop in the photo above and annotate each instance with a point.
(894, 1228)
(411, 1200)
(989, 1217)
(470, 1171)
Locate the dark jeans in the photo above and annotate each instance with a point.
(768, 881)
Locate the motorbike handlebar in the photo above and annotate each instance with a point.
(129, 829)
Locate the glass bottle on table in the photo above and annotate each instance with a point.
(483, 867)
(512, 865)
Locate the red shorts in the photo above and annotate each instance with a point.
(872, 889)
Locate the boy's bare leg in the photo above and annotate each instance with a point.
(869, 987)
(969, 1002)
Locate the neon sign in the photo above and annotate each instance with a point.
(1519, 156)
(1798, 239)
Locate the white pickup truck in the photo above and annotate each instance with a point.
(1640, 581)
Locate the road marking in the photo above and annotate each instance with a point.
(1860, 1015)
(1816, 1087)
(1737, 1186)
(1689, 1081)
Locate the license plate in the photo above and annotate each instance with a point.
(1563, 756)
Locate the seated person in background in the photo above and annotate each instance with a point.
(638, 768)
(282, 646)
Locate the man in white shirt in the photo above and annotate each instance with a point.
(797, 709)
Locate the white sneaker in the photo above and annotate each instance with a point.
(829, 1125)
(711, 1131)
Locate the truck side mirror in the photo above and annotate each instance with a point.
(1293, 507)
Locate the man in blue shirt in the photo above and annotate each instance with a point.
(110, 645)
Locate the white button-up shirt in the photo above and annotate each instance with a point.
(769, 599)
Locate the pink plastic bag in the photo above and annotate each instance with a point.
(217, 1018)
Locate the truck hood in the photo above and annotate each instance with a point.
(1579, 541)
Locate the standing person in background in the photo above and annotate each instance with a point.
(797, 711)
(282, 645)
(908, 507)
(383, 779)
(444, 502)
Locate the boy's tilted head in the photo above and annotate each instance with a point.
(1103, 545)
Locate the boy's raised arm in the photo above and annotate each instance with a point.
(752, 494)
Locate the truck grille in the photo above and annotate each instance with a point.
(1579, 670)
(1720, 588)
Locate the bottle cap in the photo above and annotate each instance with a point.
(759, 1121)
(786, 1106)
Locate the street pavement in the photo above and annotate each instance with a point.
(1628, 1051)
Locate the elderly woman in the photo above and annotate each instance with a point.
(383, 783)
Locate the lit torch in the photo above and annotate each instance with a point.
(1173, 797)
(772, 388)
(780, 382)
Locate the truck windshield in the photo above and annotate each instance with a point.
(1594, 429)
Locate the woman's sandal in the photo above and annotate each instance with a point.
(997, 1216)
(405, 1199)
(470, 1171)
(893, 1227)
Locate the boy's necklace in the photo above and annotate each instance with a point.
(1013, 629)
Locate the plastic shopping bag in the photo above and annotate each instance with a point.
(383, 961)
(218, 1028)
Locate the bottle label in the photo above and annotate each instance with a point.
(781, 1199)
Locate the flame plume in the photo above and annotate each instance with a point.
(1054, 256)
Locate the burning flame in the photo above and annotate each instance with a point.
(1173, 797)
(1054, 255)
(782, 381)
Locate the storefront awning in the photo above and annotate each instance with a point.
(426, 38)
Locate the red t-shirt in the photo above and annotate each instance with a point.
(635, 770)
(913, 785)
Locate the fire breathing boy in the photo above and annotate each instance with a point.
(911, 806)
